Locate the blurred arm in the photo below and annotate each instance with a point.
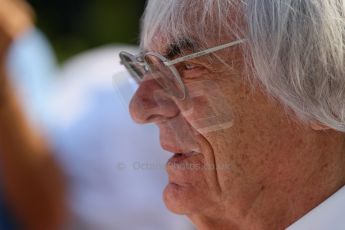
(32, 181)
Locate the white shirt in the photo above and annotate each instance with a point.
(329, 215)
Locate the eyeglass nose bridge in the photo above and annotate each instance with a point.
(144, 64)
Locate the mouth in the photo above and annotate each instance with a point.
(183, 162)
(184, 168)
(181, 157)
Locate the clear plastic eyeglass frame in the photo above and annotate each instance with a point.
(138, 67)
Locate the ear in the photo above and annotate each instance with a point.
(318, 126)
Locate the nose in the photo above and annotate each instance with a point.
(151, 104)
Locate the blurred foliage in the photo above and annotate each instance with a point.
(78, 25)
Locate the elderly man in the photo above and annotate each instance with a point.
(249, 96)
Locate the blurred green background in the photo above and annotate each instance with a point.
(78, 25)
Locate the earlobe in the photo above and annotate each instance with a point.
(318, 126)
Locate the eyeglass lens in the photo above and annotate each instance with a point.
(167, 77)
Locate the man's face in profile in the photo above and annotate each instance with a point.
(230, 141)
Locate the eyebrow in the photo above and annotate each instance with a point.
(177, 48)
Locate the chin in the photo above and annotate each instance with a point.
(183, 199)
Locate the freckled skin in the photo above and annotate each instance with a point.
(278, 167)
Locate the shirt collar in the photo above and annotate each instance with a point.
(328, 215)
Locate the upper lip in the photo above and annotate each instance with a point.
(172, 149)
(175, 149)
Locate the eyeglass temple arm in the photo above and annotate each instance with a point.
(203, 52)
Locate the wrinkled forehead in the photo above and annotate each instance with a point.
(189, 24)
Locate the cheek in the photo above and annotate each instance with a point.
(257, 142)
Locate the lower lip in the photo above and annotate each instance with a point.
(172, 185)
(182, 169)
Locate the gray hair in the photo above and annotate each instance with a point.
(295, 48)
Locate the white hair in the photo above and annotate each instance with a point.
(294, 47)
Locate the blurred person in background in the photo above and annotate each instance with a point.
(32, 186)
(113, 168)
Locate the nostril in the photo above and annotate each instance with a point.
(154, 118)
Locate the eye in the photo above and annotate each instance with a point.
(190, 70)
(190, 66)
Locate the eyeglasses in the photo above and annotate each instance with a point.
(162, 69)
